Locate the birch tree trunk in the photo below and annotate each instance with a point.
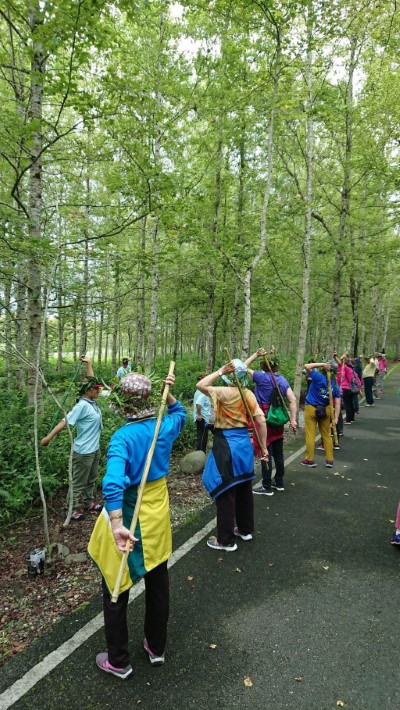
(267, 192)
(85, 292)
(100, 342)
(20, 320)
(141, 302)
(35, 204)
(155, 285)
(305, 296)
(212, 280)
(7, 329)
(155, 282)
(345, 200)
(116, 315)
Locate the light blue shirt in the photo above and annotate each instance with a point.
(204, 403)
(122, 371)
(87, 416)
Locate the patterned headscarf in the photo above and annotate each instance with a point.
(132, 398)
(240, 371)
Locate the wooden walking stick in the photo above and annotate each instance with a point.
(331, 410)
(249, 414)
(115, 594)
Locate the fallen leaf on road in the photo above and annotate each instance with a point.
(190, 578)
(248, 682)
(340, 703)
(391, 521)
(238, 569)
(336, 473)
(378, 474)
(365, 459)
(299, 678)
(349, 479)
(325, 567)
(346, 494)
(212, 645)
(270, 564)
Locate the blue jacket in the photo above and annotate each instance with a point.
(128, 449)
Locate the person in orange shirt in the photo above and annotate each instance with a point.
(229, 468)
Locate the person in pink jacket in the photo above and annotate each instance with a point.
(348, 382)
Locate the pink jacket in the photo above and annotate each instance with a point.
(345, 376)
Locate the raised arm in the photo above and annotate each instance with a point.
(207, 381)
(259, 353)
(89, 366)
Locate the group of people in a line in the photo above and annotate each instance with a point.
(227, 476)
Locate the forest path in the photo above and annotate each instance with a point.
(306, 613)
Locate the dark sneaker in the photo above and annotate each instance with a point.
(336, 447)
(310, 464)
(278, 486)
(154, 660)
(104, 665)
(395, 539)
(329, 464)
(214, 544)
(320, 447)
(261, 491)
(246, 537)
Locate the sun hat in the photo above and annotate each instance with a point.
(133, 398)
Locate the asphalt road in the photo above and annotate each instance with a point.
(306, 612)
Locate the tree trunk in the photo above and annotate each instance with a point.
(20, 319)
(7, 330)
(35, 204)
(141, 302)
(116, 315)
(155, 285)
(212, 280)
(100, 341)
(305, 296)
(267, 192)
(345, 201)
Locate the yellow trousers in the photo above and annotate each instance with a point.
(324, 426)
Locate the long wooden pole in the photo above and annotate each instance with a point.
(249, 414)
(115, 594)
(332, 412)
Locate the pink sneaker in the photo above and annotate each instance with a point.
(310, 464)
(154, 660)
(104, 665)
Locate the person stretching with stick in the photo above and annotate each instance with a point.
(229, 468)
(267, 380)
(150, 546)
(86, 454)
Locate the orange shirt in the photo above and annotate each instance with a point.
(230, 412)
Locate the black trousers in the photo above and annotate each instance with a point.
(275, 450)
(155, 620)
(202, 435)
(348, 405)
(237, 502)
(368, 384)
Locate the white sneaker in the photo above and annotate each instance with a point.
(249, 536)
(214, 544)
